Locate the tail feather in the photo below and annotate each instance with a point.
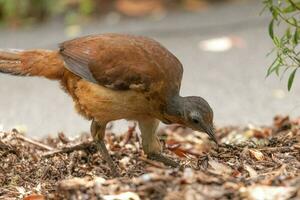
(10, 67)
(32, 63)
(9, 55)
(9, 62)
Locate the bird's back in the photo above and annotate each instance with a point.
(124, 62)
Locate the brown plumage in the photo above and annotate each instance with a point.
(115, 76)
(42, 63)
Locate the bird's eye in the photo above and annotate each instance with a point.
(196, 121)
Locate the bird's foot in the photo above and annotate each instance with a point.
(161, 158)
(103, 150)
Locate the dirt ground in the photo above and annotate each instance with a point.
(249, 163)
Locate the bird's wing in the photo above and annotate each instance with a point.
(122, 62)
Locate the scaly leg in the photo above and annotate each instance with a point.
(151, 144)
(98, 132)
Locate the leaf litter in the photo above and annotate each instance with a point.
(250, 163)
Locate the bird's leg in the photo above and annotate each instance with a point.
(98, 132)
(151, 144)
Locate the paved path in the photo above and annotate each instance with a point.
(232, 81)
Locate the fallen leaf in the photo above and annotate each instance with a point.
(35, 197)
(179, 152)
(256, 154)
(219, 168)
(250, 170)
(124, 162)
(282, 122)
(264, 133)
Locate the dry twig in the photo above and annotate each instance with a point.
(33, 142)
(81, 146)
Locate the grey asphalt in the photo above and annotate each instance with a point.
(232, 81)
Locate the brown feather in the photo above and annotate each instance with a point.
(109, 76)
(32, 63)
(124, 62)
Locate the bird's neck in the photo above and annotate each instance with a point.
(174, 110)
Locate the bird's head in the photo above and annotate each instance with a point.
(193, 112)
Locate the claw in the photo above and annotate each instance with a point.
(161, 158)
(103, 150)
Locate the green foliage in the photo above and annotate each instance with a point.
(15, 12)
(284, 30)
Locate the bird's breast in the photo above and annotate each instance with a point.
(95, 101)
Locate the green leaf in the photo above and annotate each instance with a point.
(274, 12)
(293, 21)
(295, 4)
(273, 67)
(277, 67)
(296, 37)
(271, 31)
(288, 33)
(286, 50)
(276, 41)
(289, 9)
(270, 70)
(291, 79)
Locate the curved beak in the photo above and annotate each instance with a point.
(210, 132)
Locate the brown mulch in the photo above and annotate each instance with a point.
(250, 163)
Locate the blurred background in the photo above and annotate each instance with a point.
(223, 45)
